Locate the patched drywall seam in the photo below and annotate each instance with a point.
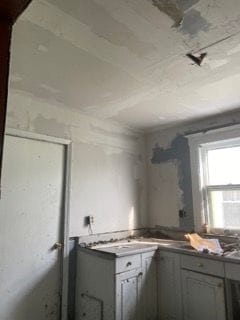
(179, 151)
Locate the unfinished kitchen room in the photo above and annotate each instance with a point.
(120, 159)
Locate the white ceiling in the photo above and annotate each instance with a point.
(125, 60)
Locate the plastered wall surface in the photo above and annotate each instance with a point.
(107, 168)
(169, 172)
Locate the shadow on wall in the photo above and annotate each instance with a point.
(37, 295)
(179, 151)
(37, 300)
(72, 277)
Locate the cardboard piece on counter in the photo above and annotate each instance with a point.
(200, 244)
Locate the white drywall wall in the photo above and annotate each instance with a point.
(164, 195)
(108, 163)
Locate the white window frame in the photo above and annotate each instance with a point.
(199, 143)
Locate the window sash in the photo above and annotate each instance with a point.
(223, 187)
(207, 188)
(199, 142)
(209, 214)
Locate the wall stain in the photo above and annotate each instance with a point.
(179, 150)
(49, 126)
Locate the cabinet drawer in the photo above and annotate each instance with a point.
(203, 265)
(232, 271)
(128, 263)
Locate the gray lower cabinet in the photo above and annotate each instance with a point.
(149, 296)
(95, 283)
(111, 288)
(169, 286)
(153, 285)
(203, 296)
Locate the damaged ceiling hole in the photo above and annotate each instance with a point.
(197, 58)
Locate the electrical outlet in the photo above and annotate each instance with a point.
(182, 213)
(89, 220)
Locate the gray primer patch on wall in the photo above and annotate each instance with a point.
(193, 23)
(179, 150)
(171, 9)
(186, 4)
(174, 8)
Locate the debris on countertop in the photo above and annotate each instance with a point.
(227, 248)
(204, 245)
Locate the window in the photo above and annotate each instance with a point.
(221, 184)
(215, 169)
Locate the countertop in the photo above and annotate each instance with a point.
(140, 245)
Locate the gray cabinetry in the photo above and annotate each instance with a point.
(95, 298)
(116, 288)
(169, 286)
(203, 265)
(232, 272)
(203, 296)
(128, 291)
(155, 285)
(149, 286)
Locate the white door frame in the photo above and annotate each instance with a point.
(65, 214)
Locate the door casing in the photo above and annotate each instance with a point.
(66, 195)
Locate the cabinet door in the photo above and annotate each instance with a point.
(169, 286)
(203, 296)
(149, 286)
(128, 295)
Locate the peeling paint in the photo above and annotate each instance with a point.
(193, 23)
(179, 150)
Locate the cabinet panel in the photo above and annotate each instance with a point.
(91, 308)
(128, 295)
(208, 266)
(203, 297)
(95, 295)
(128, 263)
(232, 271)
(149, 286)
(169, 286)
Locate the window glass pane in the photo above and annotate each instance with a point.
(224, 166)
(224, 209)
